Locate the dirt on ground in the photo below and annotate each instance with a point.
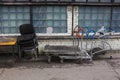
(100, 69)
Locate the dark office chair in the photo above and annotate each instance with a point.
(27, 41)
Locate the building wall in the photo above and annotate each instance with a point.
(114, 43)
(61, 16)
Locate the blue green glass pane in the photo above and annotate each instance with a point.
(63, 16)
(100, 16)
(88, 16)
(114, 23)
(42, 9)
(19, 16)
(26, 16)
(81, 16)
(49, 23)
(14, 30)
(87, 9)
(106, 23)
(43, 23)
(42, 30)
(56, 30)
(92, 0)
(56, 16)
(19, 9)
(5, 16)
(81, 9)
(95, 9)
(19, 22)
(56, 9)
(13, 23)
(63, 9)
(26, 9)
(5, 23)
(35, 16)
(12, 16)
(116, 9)
(106, 16)
(94, 16)
(118, 23)
(49, 15)
(63, 30)
(5, 9)
(35, 9)
(12, 9)
(63, 23)
(26, 21)
(80, 0)
(6, 30)
(36, 23)
(117, 1)
(107, 10)
(49, 9)
(94, 23)
(100, 23)
(81, 23)
(56, 23)
(88, 23)
(105, 0)
(116, 16)
(42, 16)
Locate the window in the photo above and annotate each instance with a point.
(92, 0)
(15, 0)
(105, 0)
(12, 17)
(116, 19)
(80, 0)
(52, 0)
(8, 0)
(50, 16)
(94, 17)
(117, 1)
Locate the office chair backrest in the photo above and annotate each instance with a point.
(26, 29)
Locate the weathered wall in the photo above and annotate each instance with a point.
(114, 43)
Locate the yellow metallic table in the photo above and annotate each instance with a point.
(8, 45)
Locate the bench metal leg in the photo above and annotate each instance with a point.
(49, 59)
(61, 60)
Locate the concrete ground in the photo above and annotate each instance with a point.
(102, 69)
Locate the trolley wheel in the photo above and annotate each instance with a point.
(49, 59)
(111, 57)
(61, 60)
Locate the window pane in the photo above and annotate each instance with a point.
(117, 1)
(8, 0)
(65, 0)
(37, 0)
(52, 0)
(22, 0)
(80, 0)
(105, 0)
(92, 0)
(94, 17)
(52, 16)
(116, 19)
(56, 16)
(14, 0)
(12, 18)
